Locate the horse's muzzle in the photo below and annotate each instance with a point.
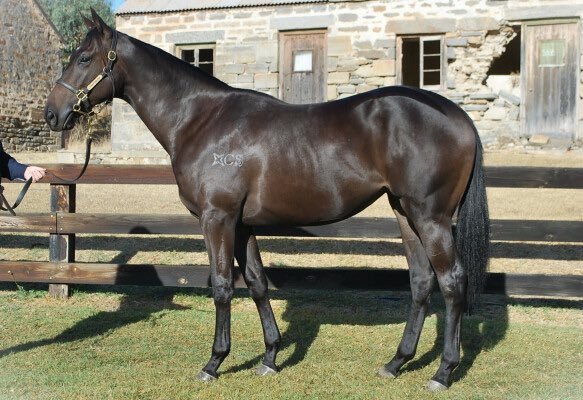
(53, 120)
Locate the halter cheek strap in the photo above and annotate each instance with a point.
(83, 105)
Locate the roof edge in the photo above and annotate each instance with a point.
(46, 17)
(120, 10)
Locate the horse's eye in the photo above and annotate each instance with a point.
(83, 59)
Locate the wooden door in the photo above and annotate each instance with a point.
(550, 70)
(303, 67)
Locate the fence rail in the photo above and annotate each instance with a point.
(62, 224)
(524, 177)
(163, 224)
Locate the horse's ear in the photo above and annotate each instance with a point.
(98, 22)
(88, 23)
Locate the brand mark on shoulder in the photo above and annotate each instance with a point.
(226, 160)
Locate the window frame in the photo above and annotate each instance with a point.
(422, 55)
(197, 47)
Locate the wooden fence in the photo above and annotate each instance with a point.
(63, 223)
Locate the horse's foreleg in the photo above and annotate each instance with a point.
(219, 234)
(249, 259)
(422, 280)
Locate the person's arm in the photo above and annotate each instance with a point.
(15, 169)
(9, 167)
(12, 169)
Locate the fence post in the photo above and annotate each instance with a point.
(62, 247)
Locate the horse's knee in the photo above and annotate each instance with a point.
(223, 292)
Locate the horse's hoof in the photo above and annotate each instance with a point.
(434, 386)
(385, 373)
(264, 370)
(205, 377)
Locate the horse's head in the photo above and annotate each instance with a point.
(80, 86)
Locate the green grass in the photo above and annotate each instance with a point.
(149, 343)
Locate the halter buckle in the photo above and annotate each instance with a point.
(111, 55)
(81, 95)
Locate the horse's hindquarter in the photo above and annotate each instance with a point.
(430, 150)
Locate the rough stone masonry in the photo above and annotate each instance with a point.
(362, 49)
(30, 61)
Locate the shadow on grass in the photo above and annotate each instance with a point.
(134, 307)
(130, 311)
(512, 250)
(307, 312)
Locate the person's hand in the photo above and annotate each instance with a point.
(36, 173)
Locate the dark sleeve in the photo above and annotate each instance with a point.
(9, 167)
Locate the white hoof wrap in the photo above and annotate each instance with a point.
(385, 373)
(434, 386)
(264, 370)
(205, 377)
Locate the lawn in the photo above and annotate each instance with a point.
(149, 343)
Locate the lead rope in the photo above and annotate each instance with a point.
(5, 205)
(91, 119)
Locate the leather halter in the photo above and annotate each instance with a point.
(83, 105)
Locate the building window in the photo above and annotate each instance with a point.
(422, 61)
(552, 53)
(302, 61)
(201, 56)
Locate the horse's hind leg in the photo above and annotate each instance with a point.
(422, 280)
(452, 280)
(436, 235)
(249, 259)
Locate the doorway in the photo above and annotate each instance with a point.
(303, 67)
(550, 79)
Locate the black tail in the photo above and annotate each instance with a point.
(473, 230)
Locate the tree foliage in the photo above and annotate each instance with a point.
(67, 16)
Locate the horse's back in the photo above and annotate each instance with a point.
(323, 162)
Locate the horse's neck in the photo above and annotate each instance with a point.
(156, 86)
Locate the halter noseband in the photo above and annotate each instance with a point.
(83, 105)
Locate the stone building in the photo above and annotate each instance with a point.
(513, 65)
(29, 64)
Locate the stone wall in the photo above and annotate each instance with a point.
(29, 64)
(361, 47)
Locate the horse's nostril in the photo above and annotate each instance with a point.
(51, 118)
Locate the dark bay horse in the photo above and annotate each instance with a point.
(244, 159)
